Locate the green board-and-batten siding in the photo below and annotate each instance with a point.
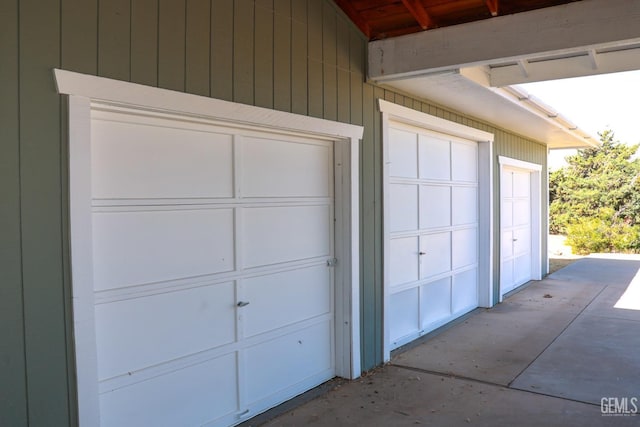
(301, 56)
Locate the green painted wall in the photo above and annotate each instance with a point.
(302, 56)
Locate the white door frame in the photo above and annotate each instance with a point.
(395, 113)
(536, 212)
(87, 92)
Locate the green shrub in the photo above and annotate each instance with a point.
(604, 233)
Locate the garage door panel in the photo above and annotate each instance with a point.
(402, 155)
(434, 158)
(137, 247)
(134, 334)
(403, 265)
(506, 244)
(522, 184)
(285, 361)
(189, 396)
(138, 161)
(435, 206)
(405, 311)
(436, 301)
(522, 269)
(275, 168)
(522, 242)
(437, 254)
(464, 205)
(506, 214)
(466, 243)
(521, 212)
(285, 298)
(274, 235)
(464, 162)
(465, 291)
(404, 207)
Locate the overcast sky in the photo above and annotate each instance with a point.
(595, 103)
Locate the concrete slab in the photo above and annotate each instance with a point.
(608, 269)
(552, 294)
(605, 305)
(399, 397)
(594, 358)
(493, 346)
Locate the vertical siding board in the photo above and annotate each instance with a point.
(330, 76)
(144, 42)
(299, 64)
(41, 212)
(342, 43)
(282, 55)
(264, 53)
(344, 104)
(171, 44)
(79, 34)
(114, 44)
(13, 399)
(315, 66)
(367, 224)
(221, 78)
(198, 49)
(243, 51)
(357, 47)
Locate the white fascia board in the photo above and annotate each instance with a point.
(410, 116)
(576, 26)
(109, 90)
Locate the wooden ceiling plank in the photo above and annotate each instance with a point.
(493, 6)
(416, 9)
(355, 16)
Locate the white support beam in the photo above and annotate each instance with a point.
(566, 29)
(588, 63)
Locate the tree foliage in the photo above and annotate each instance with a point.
(595, 199)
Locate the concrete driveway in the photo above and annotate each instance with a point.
(549, 355)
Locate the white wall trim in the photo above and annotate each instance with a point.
(90, 92)
(537, 256)
(427, 121)
(103, 89)
(399, 114)
(520, 164)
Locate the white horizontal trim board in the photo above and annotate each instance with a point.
(151, 98)
(402, 119)
(100, 100)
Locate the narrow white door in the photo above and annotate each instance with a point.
(214, 300)
(515, 219)
(433, 225)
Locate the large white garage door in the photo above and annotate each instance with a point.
(433, 247)
(213, 295)
(515, 219)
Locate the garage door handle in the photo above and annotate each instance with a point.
(242, 303)
(422, 253)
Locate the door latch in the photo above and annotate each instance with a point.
(332, 262)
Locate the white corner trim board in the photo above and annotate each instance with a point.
(89, 95)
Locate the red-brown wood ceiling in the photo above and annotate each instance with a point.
(379, 19)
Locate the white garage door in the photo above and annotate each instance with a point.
(515, 219)
(433, 247)
(214, 300)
